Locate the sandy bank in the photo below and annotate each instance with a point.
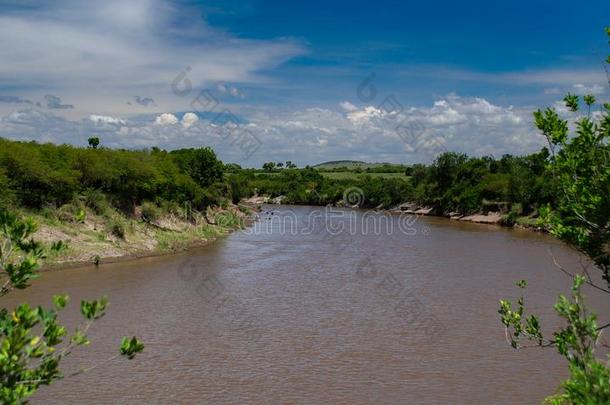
(96, 239)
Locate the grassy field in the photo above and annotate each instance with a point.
(347, 175)
(354, 175)
(351, 164)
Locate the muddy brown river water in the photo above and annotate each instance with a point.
(315, 307)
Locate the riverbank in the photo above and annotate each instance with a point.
(488, 217)
(113, 236)
(484, 217)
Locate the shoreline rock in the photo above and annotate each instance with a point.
(494, 218)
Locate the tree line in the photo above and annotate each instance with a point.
(35, 176)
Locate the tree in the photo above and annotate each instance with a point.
(32, 341)
(290, 165)
(93, 142)
(279, 165)
(581, 217)
(201, 164)
(269, 166)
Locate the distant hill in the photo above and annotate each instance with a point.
(350, 164)
(341, 163)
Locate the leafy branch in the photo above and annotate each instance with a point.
(32, 341)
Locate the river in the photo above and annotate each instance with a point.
(311, 306)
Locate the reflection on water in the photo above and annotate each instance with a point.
(270, 316)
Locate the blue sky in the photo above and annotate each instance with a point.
(466, 74)
(398, 39)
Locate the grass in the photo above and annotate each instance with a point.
(354, 175)
(346, 175)
(527, 222)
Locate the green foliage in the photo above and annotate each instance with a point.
(200, 164)
(589, 381)
(96, 200)
(32, 341)
(228, 219)
(93, 142)
(453, 182)
(116, 228)
(150, 212)
(130, 347)
(7, 194)
(240, 186)
(269, 166)
(18, 255)
(580, 216)
(36, 175)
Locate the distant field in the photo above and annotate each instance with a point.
(347, 175)
(354, 175)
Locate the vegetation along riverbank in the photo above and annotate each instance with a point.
(106, 204)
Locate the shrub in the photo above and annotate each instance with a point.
(150, 212)
(96, 200)
(116, 228)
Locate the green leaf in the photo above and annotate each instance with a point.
(130, 347)
(60, 301)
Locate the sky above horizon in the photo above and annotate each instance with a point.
(390, 81)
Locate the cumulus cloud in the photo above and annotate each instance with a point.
(365, 116)
(347, 106)
(472, 125)
(189, 119)
(166, 119)
(54, 102)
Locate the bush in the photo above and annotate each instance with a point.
(116, 228)
(150, 212)
(510, 219)
(96, 200)
(72, 212)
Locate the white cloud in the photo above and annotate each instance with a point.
(472, 125)
(594, 89)
(365, 116)
(231, 90)
(347, 106)
(552, 90)
(103, 119)
(135, 47)
(166, 119)
(189, 119)
(235, 92)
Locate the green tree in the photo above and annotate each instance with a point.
(201, 164)
(32, 341)
(581, 217)
(269, 166)
(93, 142)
